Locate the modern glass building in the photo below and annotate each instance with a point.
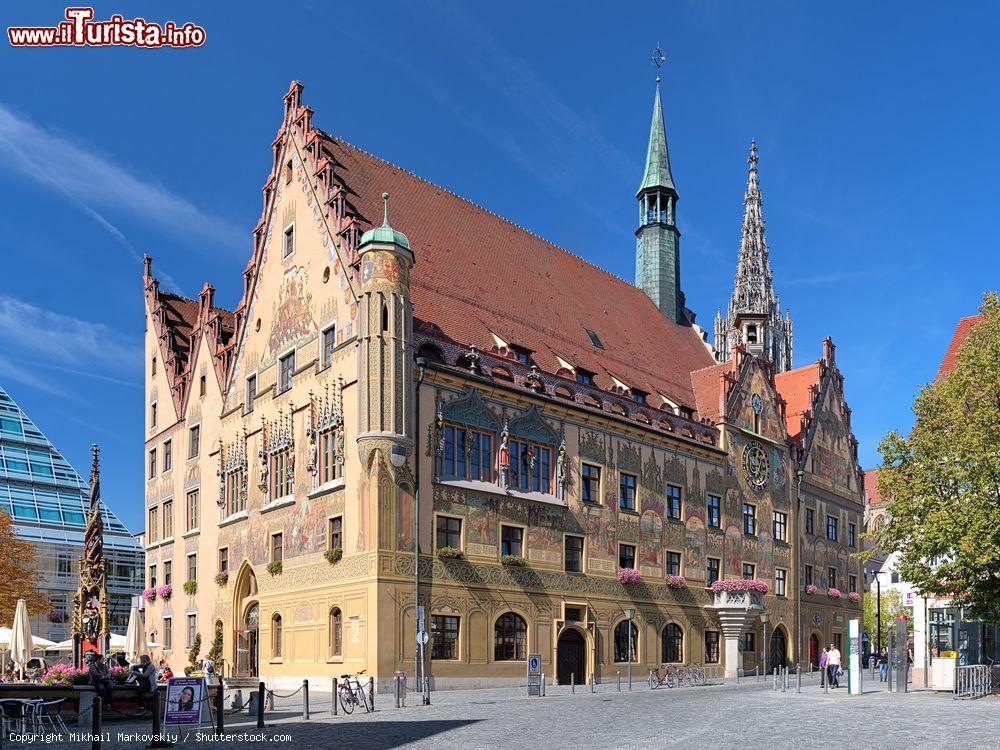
(48, 499)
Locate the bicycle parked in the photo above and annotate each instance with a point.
(686, 676)
(352, 693)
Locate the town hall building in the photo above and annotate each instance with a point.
(388, 435)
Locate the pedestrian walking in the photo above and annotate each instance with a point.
(833, 665)
(883, 664)
(823, 664)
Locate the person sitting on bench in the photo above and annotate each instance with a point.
(145, 678)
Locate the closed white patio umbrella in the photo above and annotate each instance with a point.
(135, 636)
(20, 637)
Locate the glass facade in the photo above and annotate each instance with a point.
(47, 499)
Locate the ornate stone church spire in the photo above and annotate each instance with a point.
(657, 245)
(754, 313)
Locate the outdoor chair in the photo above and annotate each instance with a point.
(51, 712)
(15, 715)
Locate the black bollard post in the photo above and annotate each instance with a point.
(572, 682)
(371, 693)
(220, 709)
(95, 724)
(305, 699)
(619, 673)
(333, 696)
(260, 705)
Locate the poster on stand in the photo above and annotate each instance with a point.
(185, 698)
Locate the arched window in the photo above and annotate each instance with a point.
(276, 635)
(385, 317)
(672, 642)
(336, 632)
(621, 641)
(510, 638)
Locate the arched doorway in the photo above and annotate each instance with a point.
(248, 643)
(814, 650)
(571, 657)
(247, 616)
(778, 653)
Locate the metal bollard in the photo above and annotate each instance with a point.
(572, 682)
(402, 689)
(774, 685)
(270, 700)
(798, 678)
(333, 696)
(619, 673)
(826, 686)
(305, 699)
(396, 687)
(543, 685)
(784, 679)
(260, 705)
(220, 710)
(371, 692)
(592, 689)
(95, 724)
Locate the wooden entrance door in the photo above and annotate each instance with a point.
(571, 658)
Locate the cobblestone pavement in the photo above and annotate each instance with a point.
(749, 715)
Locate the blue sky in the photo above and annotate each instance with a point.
(876, 125)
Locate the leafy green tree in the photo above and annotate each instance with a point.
(892, 606)
(18, 575)
(942, 483)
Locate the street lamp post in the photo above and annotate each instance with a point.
(763, 621)
(878, 610)
(629, 612)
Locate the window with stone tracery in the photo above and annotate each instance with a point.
(235, 501)
(530, 466)
(329, 465)
(467, 454)
(281, 474)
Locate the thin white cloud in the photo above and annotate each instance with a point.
(50, 340)
(94, 182)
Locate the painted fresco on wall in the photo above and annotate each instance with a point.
(404, 519)
(733, 550)
(544, 528)
(481, 512)
(305, 530)
(694, 545)
(294, 311)
(765, 556)
(600, 536)
(650, 539)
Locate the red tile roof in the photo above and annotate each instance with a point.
(478, 275)
(951, 353)
(871, 487)
(709, 390)
(793, 386)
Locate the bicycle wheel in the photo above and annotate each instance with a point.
(671, 679)
(654, 681)
(346, 700)
(360, 693)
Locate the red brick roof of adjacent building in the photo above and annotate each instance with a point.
(949, 360)
(871, 487)
(793, 386)
(478, 275)
(709, 390)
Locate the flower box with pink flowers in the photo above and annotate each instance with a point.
(149, 594)
(629, 575)
(676, 582)
(165, 591)
(739, 592)
(811, 588)
(834, 593)
(855, 597)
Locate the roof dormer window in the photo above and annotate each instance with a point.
(584, 377)
(638, 396)
(594, 338)
(519, 353)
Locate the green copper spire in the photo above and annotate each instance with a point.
(385, 233)
(657, 174)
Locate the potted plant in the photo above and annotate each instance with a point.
(739, 584)
(149, 594)
(450, 553)
(676, 582)
(333, 555)
(855, 597)
(165, 591)
(274, 568)
(222, 578)
(513, 561)
(190, 588)
(56, 616)
(834, 593)
(811, 588)
(629, 576)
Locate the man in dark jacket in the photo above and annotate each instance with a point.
(100, 677)
(145, 677)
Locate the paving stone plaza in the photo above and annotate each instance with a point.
(749, 715)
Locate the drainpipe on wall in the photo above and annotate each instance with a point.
(798, 565)
(418, 655)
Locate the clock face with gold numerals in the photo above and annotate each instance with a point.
(756, 465)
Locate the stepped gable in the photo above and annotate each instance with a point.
(180, 322)
(709, 389)
(950, 358)
(479, 278)
(798, 387)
